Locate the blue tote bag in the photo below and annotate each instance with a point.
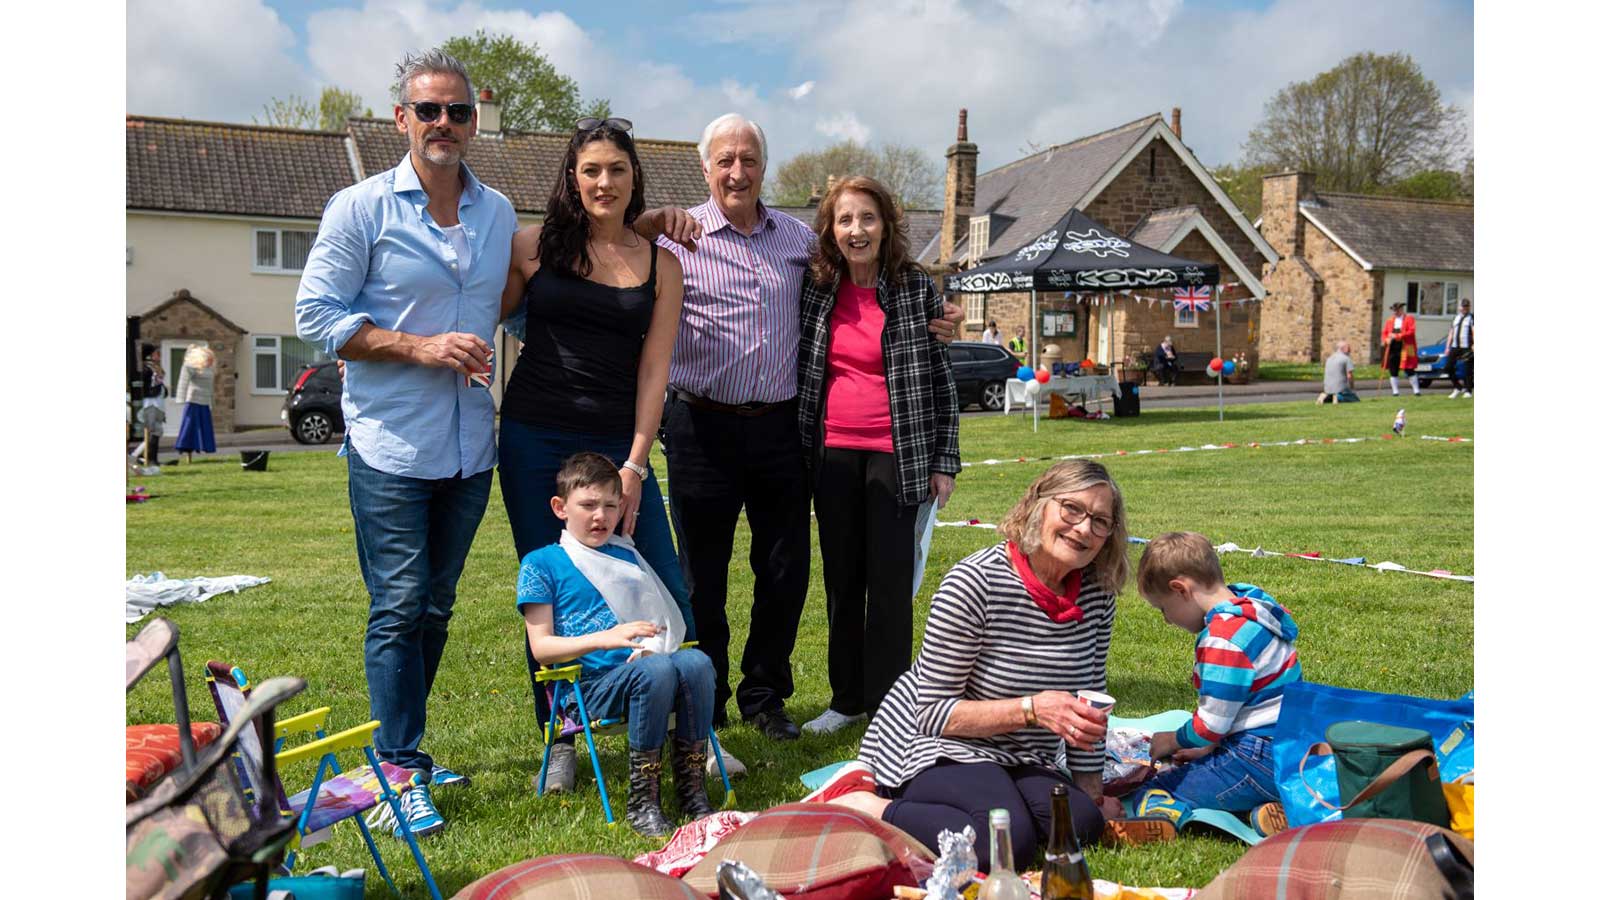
(1307, 711)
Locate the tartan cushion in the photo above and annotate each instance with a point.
(153, 751)
(1349, 859)
(819, 851)
(580, 876)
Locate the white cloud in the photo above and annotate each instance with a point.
(799, 91)
(209, 59)
(844, 127)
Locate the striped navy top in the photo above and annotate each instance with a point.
(987, 640)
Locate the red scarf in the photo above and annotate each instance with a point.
(1060, 608)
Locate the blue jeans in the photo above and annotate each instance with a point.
(651, 688)
(1237, 776)
(412, 537)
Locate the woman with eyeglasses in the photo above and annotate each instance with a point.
(601, 306)
(990, 706)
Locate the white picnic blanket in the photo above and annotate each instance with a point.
(145, 593)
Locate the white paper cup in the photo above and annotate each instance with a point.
(1098, 700)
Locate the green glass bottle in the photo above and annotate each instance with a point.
(1066, 875)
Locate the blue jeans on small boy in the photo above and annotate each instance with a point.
(1237, 776)
(651, 688)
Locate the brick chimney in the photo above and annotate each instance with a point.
(1281, 225)
(960, 191)
(1177, 121)
(488, 112)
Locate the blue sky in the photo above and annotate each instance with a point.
(1032, 73)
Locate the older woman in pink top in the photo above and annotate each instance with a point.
(878, 425)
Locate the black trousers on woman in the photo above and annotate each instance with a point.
(868, 543)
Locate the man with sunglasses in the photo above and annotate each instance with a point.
(403, 284)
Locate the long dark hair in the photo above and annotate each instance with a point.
(564, 237)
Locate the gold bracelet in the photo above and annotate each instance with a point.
(1027, 711)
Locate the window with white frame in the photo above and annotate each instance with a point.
(282, 249)
(279, 359)
(1433, 298)
(1185, 317)
(977, 238)
(972, 305)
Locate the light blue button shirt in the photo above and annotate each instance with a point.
(380, 257)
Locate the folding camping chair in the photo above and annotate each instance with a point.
(194, 832)
(567, 677)
(337, 795)
(156, 749)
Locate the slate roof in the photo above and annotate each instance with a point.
(1158, 227)
(216, 167)
(522, 165)
(1397, 232)
(1036, 191)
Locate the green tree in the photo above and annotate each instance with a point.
(532, 94)
(903, 169)
(1368, 122)
(292, 111)
(336, 106)
(1243, 184)
(1430, 184)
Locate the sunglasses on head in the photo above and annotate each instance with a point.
(428, 111)
(590, 123)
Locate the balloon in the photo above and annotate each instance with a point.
(1216, 364)
(1031, 388)
(1025, 373)
(1042, 376)
(1228, 367)
(1088, 363)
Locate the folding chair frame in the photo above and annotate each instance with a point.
(566, 676)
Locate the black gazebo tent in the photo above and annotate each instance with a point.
(1079, 255)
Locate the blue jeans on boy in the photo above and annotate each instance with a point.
(649, 689)
(412, 538)
(1237, 776)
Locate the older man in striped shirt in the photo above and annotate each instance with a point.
(730, 429)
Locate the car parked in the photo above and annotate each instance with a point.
(312, 411)
(981, 371)
(1430, 365)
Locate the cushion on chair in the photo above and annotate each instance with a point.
(1349, 859)
(580, 876)
(153, 751)
(349, 794)
(819, 851)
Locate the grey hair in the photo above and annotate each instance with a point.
(730, 122)
(433, 62)
(1022, 524)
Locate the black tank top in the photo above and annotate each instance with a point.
(579, 368)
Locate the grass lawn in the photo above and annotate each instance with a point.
(1410, 501)
(1302, 371)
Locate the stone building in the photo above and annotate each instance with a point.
(1140, 180)
(1344, 258)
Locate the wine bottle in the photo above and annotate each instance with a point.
(1003, 882)
(1066, 875)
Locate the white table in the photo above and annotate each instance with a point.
(1085, 388)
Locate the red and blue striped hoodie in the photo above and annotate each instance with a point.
(1242, 659)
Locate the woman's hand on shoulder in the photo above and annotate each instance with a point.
(1076, 722)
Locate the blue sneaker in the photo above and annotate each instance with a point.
(443, 777)
(416, 805)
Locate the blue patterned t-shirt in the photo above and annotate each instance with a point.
(548, 576)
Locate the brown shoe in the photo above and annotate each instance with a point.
(1137, 831)
(1268, 819)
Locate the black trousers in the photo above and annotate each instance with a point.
(868, 543)
(717, 464)
(1450, 361)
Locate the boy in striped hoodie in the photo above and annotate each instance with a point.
(1244, 655)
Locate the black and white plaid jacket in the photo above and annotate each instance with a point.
(922, 388)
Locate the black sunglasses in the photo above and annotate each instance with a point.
(428, 111)
(590, 123)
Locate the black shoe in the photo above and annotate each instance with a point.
(644, 794)
(775, 724)
(689, 778)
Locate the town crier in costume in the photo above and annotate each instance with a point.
(1399, 338)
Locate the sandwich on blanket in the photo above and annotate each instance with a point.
(632, 591)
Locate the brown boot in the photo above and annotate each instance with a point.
(644, 794)
(689, 778)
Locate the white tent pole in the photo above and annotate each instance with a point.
(1033, 349)
(1216, 313)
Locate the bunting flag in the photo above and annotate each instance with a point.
(1195, 299)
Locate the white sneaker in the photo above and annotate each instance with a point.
(1454, 394)
(1467, 394)
(734, 766)
(830, 721)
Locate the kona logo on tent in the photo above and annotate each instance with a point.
(1041, 245)
(1092, 241)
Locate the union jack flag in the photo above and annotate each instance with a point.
(1193, 298)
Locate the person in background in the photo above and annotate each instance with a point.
(195, 386)
(1166, 362)
(1399, 337)
(1459, 344)
(1019, 345)
(991, 335)
(865, 349)
(153, 393)
(1339, 377)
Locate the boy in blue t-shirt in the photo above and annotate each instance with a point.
(569, 594)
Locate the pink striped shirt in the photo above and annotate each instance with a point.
(739, 337)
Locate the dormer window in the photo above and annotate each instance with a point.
(977, 239)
